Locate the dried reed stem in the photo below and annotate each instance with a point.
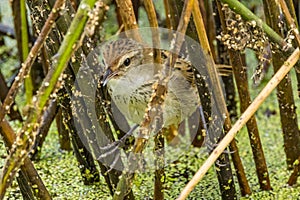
(249, 112)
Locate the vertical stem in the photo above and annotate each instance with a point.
(289, 12)
(291, 21)
(210, 24)
(288, 115)
(240, 75)
(25, 49)
(280, 74)
(227, 126)
(129, 20)
(155, 33)
(197, 16)
(159, 167)
(159, 139)
(293, 178)
(29, 60)
(13, 114)
(27, 168)
(64, 137)
(25, 139)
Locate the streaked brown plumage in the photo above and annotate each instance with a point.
(130, 75)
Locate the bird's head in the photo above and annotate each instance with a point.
(119, 57)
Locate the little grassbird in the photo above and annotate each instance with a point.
(130, 73)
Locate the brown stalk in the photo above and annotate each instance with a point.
(289, 12)
(244, 185)
(171, 19)
(30, 59)
(271, 85)
(128, 18)
(64, 137)
(288, 115)
(27, 168)
(200, 27)
(84, 158)
(181, 29)
(150, 10)
(294, 176)
(290, 20)
(240, 74)
(13, 114)
(27, 65)
(26, 137)
(88, 169)
(209, 24)
(47, 119)
(159, 174)
(159, 139)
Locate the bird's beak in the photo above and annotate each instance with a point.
(106, 76)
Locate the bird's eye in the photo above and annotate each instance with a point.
(127, 62)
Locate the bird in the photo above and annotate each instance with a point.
(129, 75)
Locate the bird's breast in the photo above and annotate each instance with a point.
(132, 92)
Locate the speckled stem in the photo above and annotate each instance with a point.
(249, 112)
(246, 14)
(31, 174)
(25, 139)
(26, 66)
